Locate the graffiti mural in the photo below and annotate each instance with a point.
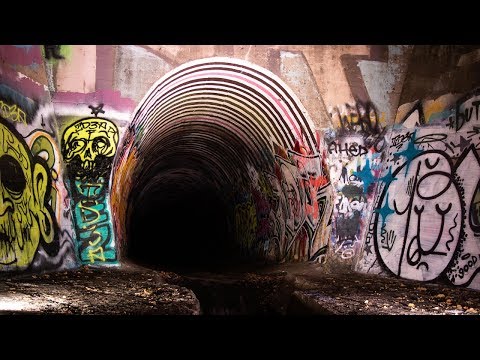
(419, 216)
(280, 201)
(88, 146)
(303, 182)
(15, 107)
(44, 145)
(354, 158)
(284, 214)
(425, 222)
(27, 218)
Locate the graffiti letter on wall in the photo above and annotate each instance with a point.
(12, 112)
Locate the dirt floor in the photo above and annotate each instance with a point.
(124, 290)
(352, 293)
(293, 289)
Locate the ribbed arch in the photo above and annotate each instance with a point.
(202, 127)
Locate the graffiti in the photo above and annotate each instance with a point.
(415, 117)
(88, 146)
(293, 198)
(425, 223)
(474, 217)
(349, 206)
(320, 243)
(93, 221)
(345, 248)
(304, 199)
(96, 109)
(43, 145)
(16, 107)
(419, 217)
(353, 175)
(465, 108)
(27, 219)
(12, 112)
(360, 118)
(465, 266)
(281, 214)
(349, 149)
(464, 116)
(349, 210)
(52, 52)
(398, 140)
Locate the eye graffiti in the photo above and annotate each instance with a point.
(15, 181)
(26, 217)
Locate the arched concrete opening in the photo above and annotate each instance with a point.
(209, 172)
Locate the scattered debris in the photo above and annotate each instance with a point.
(282, 289)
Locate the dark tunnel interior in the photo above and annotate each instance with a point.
(181, 229)
(181, 215)
(185, 179)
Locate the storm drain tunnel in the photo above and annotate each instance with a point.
(191, 170)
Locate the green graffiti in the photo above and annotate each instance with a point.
(93, 223)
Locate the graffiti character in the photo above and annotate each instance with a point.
(88, 146)
(26, 217)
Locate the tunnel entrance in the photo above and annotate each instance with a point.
(184, 229)
(219, 167)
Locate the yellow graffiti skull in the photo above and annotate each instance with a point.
(89, 138)
(24, 218)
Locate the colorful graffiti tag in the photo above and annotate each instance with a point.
(44, 145)
(27, 218)
(88, 146)
(425, 222)
(354, 159)
(280, 216)
(12, 112)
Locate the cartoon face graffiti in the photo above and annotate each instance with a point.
(26, 218)
(88, 145)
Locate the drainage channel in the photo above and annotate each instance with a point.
(244, 294)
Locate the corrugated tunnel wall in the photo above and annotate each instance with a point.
(362, 156)
(225, 160)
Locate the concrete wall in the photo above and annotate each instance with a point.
(397, 135)
(425, 220)
(36, 223)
